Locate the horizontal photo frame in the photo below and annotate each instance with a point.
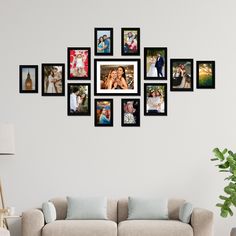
(117, 77)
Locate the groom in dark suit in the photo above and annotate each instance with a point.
(159, 65)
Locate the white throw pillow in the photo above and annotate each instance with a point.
(147, 208)
(92, 208)
(49, 212)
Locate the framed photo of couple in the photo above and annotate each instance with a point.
(103, 39)
(181, 75)
(79, 99)
(155, 63)
(103, 112)
(155, 99)
(78, 63)
(130, 41)
(117, 77)
(53, 79)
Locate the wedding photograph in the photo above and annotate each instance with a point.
(53, 79)
(130, 112)
(130, 41)
(28, 81)
(155, 99)
(103, 113)
(181, 75)
(205, 74)
(155, 63)
(78, 63)
(79, 99)
(117, 77)
(103, 39)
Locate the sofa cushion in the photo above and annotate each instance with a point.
(140, 208)
(173, 209)
(61, 208)
(154, 228)
(87, 208)
(80, 228)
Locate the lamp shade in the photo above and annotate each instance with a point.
(7, 139)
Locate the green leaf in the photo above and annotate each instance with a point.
(224, 151)
(224, 213)
(219, 205)
(214, 159)
(223, 197)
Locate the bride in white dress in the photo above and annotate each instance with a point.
(152, 70)
(51, 84)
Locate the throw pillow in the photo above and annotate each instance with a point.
(185, 212)
(93, 208)
(147, 209)
(49, 212)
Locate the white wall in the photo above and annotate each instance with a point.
(168, 156)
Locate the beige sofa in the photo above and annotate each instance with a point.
(117, 224)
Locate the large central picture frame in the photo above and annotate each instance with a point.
(116, 77)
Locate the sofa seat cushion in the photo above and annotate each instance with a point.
(80, 228)
(154, 228)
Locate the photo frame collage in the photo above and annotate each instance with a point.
(117, 77)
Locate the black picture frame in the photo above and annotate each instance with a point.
(207, 73)
(161, 50)
(123, 49)
(29, 67)
(79, 113)
(116, 63)
(50, 67)
(132, 118)
(96, 52)
(152, 87)
(96, 117)
(87, 62)
(176, 84)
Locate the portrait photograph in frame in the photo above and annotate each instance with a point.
(103, 112)
(28, 78)
(117, 77)
(53, 79)
(155, 99)
(130, 41)
(78, 63)
(205, 74)
(181, 75)
(79, 99)
(155, 63)
(130, 112)
(103, 41)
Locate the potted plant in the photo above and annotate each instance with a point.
(227, 163)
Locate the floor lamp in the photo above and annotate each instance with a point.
(7, 147)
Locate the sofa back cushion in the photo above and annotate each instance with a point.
(173, 209)
(61, 208)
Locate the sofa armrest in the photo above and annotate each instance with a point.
(202, 222)
(32, 222)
